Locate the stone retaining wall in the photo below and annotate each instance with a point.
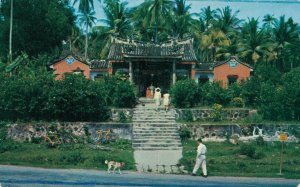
(269, 132)
(205, 114)
(25, 132)
(198, 114)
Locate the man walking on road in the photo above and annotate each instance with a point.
(201, 158)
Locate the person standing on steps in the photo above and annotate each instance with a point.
(166, 100)
(200, 159)
(157, 97)
(152, 90)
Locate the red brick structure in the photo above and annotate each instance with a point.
(230, 71)
(70, 65)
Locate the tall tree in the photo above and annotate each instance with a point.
(86, 8)
(39, 26)
(87, 21)
(254, 43)
(226, 20)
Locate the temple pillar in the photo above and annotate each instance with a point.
(110, 69)
(174, 72)
(130, 72)
(193, 72)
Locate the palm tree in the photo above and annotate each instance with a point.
(87, 20)
(208, 16)
(158, 11)
(10, 30)
(211, 42)
(285, 35)
(254, 43)
(268, 22)
(182, 19)
(227, 21)
(86, 7)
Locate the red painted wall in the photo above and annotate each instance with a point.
(222, 72)
(63, 67)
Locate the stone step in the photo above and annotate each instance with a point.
(156, 145)
(147, 117)
(154, 131)
(152, 111)
(155, 125)
(154, 128)
(153, 122)
(153, 141)
(156, 135)
(157, 148)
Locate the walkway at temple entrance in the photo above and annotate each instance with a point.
(156, 141)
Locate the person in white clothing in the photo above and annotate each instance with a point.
(157, 97)
(166, 100)
(200, 159)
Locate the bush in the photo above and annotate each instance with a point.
(184, 134)
(36, 140)
(237, 102)
(122, 117)
(254, 118)
(260, 140)
(216, 114)
(124, 95)
(214, 93)
(248, 150)
(187, 115)
(185, 94)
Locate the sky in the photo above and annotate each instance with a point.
(247, 8)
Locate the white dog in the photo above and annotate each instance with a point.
(116, 165)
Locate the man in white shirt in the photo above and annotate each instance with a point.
(201, 158)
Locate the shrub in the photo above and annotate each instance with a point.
(260, 140)
(237, 102)
(36, 140)
(122, 117)
(187, 115)
(216, 114)
(184, 134)
(124, 95)
(214, 93)
(254, 118)
(248, 150)
(185, 93)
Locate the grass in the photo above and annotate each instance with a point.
(224, 159)
(66, 156)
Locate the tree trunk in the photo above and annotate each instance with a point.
(86, 40)
(10, 31)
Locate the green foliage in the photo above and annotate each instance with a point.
(260, 140)
(124, 95)
(122, 117)
(185, 93)
(187, 115)
(254, 118)
(217, 112)
(184, 134)
(75, 99)
(214, 93)
(38, 26)
(237, 102)
(246, 149)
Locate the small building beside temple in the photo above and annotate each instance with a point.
(149, 63)
(70, 64)
(231, 71)
(98, 69)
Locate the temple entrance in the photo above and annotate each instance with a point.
(155, 73)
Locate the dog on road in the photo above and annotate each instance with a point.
(116, 165)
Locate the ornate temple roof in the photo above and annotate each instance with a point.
(121, 49)
(98, 64)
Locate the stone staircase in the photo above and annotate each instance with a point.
(154, 130)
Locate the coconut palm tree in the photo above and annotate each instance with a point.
(208, 16)
(285, 35)
(254, 44)
(181, 19)
(226, 20)
(87, 21)
(159, 10)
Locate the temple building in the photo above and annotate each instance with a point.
(148, 63)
